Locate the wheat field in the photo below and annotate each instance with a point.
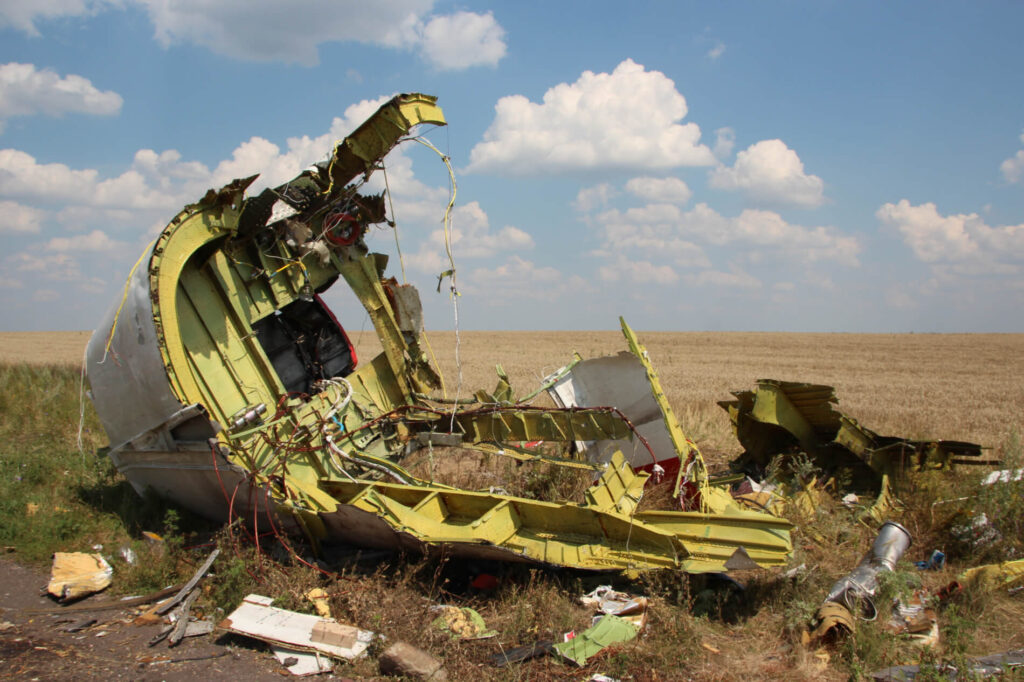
(953, 386)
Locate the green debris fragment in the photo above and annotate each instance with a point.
(606, 632)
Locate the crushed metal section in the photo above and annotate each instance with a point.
(787, 418)
(226, 384)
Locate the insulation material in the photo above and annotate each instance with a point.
(75, 575)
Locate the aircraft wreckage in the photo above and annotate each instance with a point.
(225, 384)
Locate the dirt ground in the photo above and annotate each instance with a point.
(34, 643)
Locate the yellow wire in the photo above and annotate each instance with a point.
(124, 297)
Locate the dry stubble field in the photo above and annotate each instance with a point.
(957, 386)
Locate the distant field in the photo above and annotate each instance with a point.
(957, 386)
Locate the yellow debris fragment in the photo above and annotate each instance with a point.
(76, 574)
(319, 598)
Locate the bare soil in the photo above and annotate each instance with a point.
(34, 643)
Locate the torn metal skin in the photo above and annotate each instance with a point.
(226, 385)
(785, 417)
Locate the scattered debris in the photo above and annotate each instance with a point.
(784, 417)
(1003, 476)
(984, 666)
(188, 587)
(302, 663)
(319, 597)
(523, 653)
(128, 555)
(256, 618)
(405, 660)
(976, 533)
(914, 618)
(936, 561)
(80, 625)
(75, 575)
(607, 631)
(995, 576)
(853, 593)
(462, 622)
(605, 600)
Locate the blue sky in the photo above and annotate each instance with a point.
(794, 166)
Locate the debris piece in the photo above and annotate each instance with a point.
(784, 417)
(319, 597)
(190, 585)
(712, 649)
(832, 621)
(109, 606)
(914, 618)
(607, 601)
(181, 622)
(302, 663)
(936, 561)
(856, 589)
(484, 581)
(256, 618)
(128, 554)
(198, 628)
(982, 666)
(1003, 476)
(80, 625)
(976, 533)
(76, 574)
(462, 622)
(405, 660)
(995, 576)
(522, 653)
(853, 593)
(606, 632)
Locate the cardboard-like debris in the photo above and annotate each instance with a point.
(256, 618)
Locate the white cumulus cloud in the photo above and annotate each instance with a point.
(772, 172)
(725, 140)
(735, 279)
(630, 118)
(23, 15)
(16, 218)
(458, 41)
(962, 238)
(518, 279)
(470, 237)
(267, 30)
(669, 190)
(1013, 167)
(97, 240)
(667, 231)
(26, 90)
(637, 272)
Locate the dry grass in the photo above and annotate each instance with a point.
(966, 387)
